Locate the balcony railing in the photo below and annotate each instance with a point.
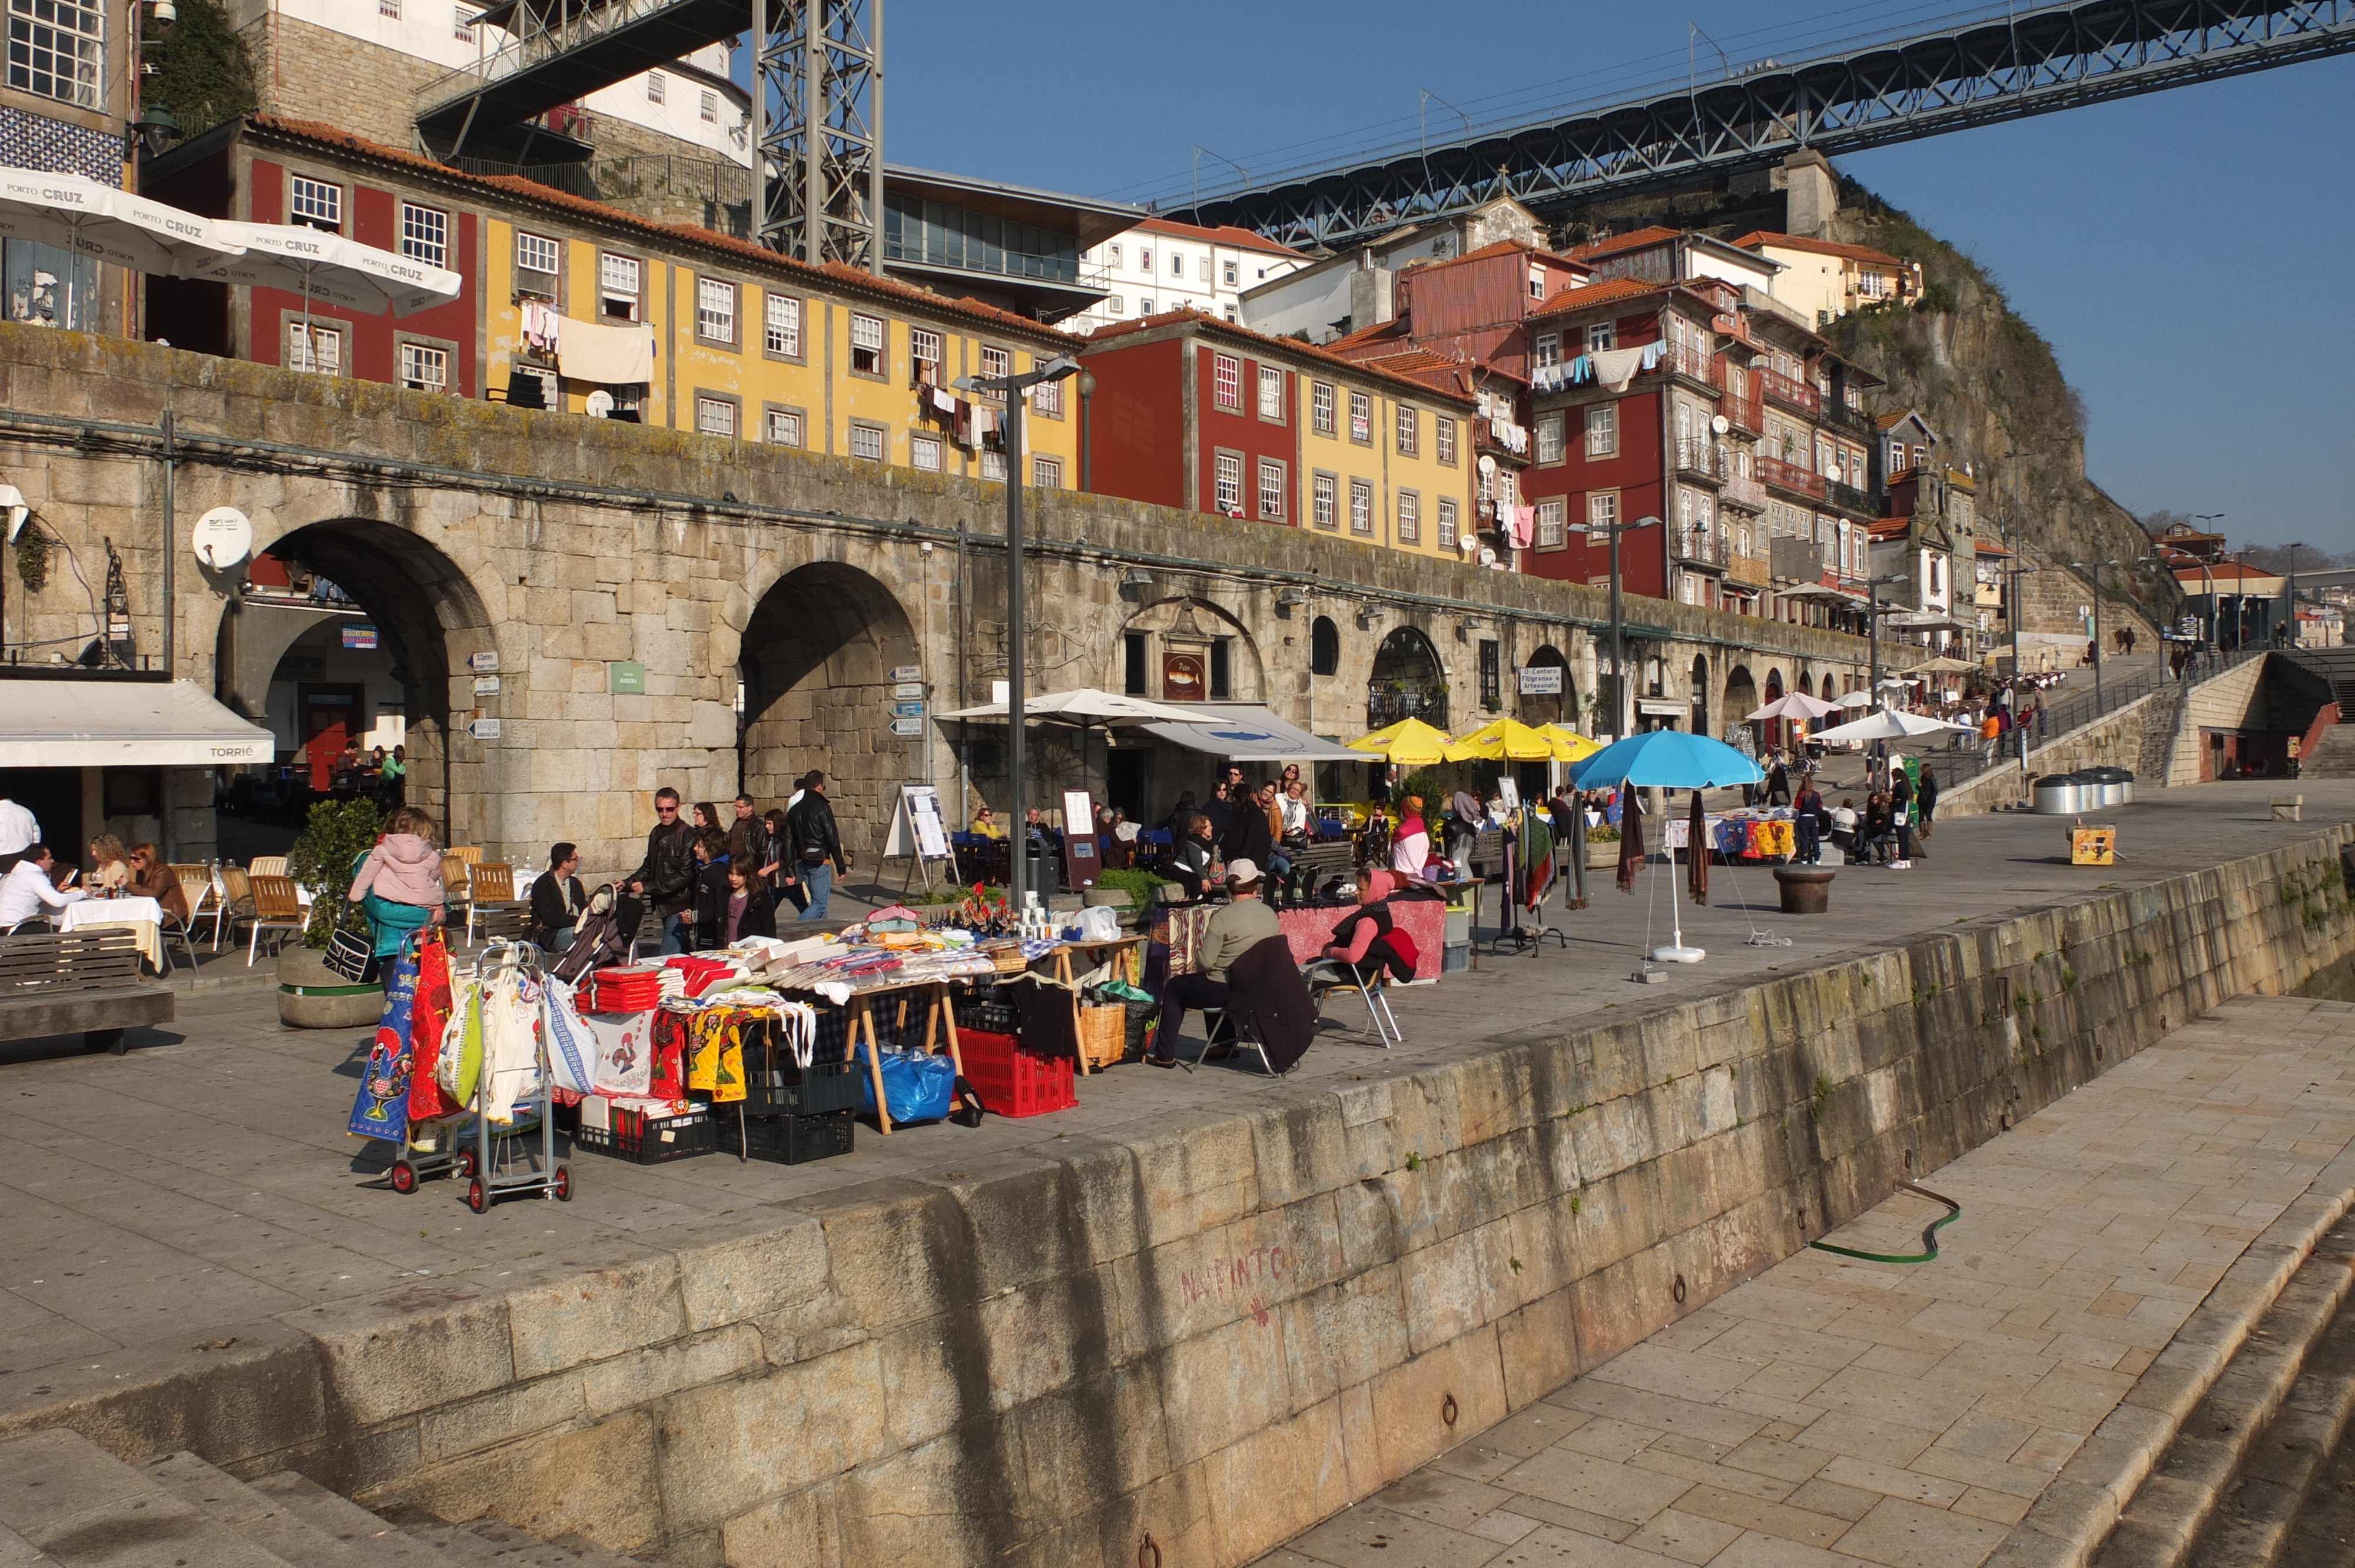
(1744, 491)
(1747, 413)
(1384, 707)
(1855, 420)
(1695, 363)
(1792, 477)
(1700, 546)
(1790, 393)
(1701, 459)
(1848, 498)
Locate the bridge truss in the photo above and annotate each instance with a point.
(2032, 61)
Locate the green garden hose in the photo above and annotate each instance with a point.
(1929, 1235)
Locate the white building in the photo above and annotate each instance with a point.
(1159, 266)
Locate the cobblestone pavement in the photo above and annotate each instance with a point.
(1833, 1412)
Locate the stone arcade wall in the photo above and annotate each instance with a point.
(560, 544)
(1229, 1330)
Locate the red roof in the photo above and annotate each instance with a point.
(1759, 238)
(1634, 239)
(847, 278)
(1439, 370)
(1216, 326)
(1990, 548)
(2224, 571)
(1380, 331)
(1890, 528)
(1224, 233)
(1609, 291)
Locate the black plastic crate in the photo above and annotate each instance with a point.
(650, 1139)
(803, 1091)
(794, 1139)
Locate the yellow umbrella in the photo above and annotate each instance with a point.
(1582, 747)
(1410, 743)
(1506, 740)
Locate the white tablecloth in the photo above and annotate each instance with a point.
(144, 916)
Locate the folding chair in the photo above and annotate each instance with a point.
(236, 901)
(267, 866)
(203, 900)
(490, 892)
(172, 926)
(1242, 1037)
(275, 908)
(1374, 994)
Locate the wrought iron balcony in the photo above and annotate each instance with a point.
(1790, 393)
(1699, 547)
(1848, 498)
(1744, 491)
(1700, 459)
(1790, 476)
(1384, 707)
(1693, 364)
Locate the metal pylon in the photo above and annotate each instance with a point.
(817, 105)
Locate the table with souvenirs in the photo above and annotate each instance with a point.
(1748, 832)
(768, 1049)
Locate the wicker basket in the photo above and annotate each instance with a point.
(1104, 1035)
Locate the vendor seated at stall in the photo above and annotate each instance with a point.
(1196, 867)
(1243, 923)
(1844, 826)
(1366, 944)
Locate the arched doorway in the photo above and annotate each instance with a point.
(1776, 729)
(1701, 694)
(1552, 707)
(354, 630)
(1324, 647)
(817, 657)
(1408, 681)
(1742, 699)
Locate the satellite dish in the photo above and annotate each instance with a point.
(1488, 466)
(222, 537)
(1467, 544)
(1488, 557)
(600, 403)
(1719, 424)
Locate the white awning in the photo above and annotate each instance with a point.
(1247, 732)
(98, 723)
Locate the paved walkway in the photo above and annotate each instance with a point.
(1833, 1413)
(161, 1198)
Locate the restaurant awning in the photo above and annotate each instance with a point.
(95, 723)
(1247, 732)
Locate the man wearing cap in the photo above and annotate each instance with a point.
(1230, 933)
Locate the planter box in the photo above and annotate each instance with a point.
(312, 996)
(1602, 856)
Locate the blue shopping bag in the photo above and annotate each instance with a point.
(918, 1087)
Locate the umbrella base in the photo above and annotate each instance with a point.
(1674, 955)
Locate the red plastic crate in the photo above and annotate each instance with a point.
(1011, 1081)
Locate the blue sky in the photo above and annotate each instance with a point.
(2187, 253)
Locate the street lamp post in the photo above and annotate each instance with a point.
(2213, 633)
(2096, 570)
(1087, 385)
(2296, 546)
(1618, 650)
(1873, 607)
(1013, 388)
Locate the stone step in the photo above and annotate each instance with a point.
(266, 1520)
(16, 1551)
(403, 1540)
(67, 1498)
(562, 1552)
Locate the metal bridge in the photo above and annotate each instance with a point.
(2004, 66)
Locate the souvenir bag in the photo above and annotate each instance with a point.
(381, 1109)
(428, 1019)
(571, 1049)
(461, 1066)
(351, 956)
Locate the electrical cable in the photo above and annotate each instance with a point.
(1929, 1235)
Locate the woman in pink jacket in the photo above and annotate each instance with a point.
(398, 883)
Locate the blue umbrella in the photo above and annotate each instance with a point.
(1667, 759)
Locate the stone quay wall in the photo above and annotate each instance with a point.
(1224, 1332)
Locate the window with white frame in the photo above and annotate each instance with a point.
(996, 364)
(315, 204)
(924, 356)
(1271, 491)
(1227, 492)
(1361, 418)
(785, 428)
(1552, 526)
(1410, 431)
(1547, 350)
(992, 463)
(781, 330)
(425, 234)
(1227, 382)
(1361, 507)
(1112, 304)
(1047, 399)
(617, 286)
(1271, 393)
(1549, 437)
(1602, 513)
(656, 88)
(390, 8)
(1233, 276)
(1047, 472)
(1111, 255)
(1602, 429)
(1320, 403)
(58, 50)
(1410, 517)
(1325, 502)
(314, 349)
(865, 344)
(715, 417)
(1443, 430)
(1143, 261)
(869, 441)
(1872, 285)
(463, 23)
(424, 368)
(1177, 266)
(924, 452)
(539, 262)
(709, 108)
(1601, 337)
(1448, 535)
(715, 310)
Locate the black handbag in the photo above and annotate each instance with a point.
(352, 956)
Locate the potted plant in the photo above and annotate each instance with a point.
(1602, 846)
(310, 994)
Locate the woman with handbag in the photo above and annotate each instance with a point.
(397, 884)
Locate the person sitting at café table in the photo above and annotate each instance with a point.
(1195, 865)
(29, 892)
(110, 867)
(986, 824)
(152, 878)
(1410, 845)
(1236, 927)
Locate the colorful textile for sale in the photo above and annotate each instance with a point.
(459, 1066)
(571, 1049)
(382, 1109)
(427, 1021)
(715, 1053)
(669, 1081)
(510, 1043)
(625, 1052)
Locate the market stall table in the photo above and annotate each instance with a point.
(144, 916)
(865, 991)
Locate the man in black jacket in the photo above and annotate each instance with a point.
(1247, 836)
(667, 878)
(748, 838)
(813, 851)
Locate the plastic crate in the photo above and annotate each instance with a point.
(794, 1139)
(1011, 1081)
(804, 1091)
(650, 1139)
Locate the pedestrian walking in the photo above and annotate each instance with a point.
(747, 840)
(817, 855)
(777, 869)
(665, 878)
(1925, 797)
(1809, 806)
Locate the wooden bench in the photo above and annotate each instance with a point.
(1325, 860)
(84, 982)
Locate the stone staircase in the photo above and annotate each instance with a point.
(66, 1502)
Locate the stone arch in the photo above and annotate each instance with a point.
(1558, 709)
(1741, 695)
(1324, 647)
(1807, 683)
(1774, 730)
(431, 621)
(818, 652)
(1700, 693)
(1408, 680)
(1191, 630)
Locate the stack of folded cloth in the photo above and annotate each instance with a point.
(695, 974)
(638, 989)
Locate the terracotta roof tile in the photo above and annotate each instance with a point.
(1609, 291)
(1759, 238)
(1224, 233)
(1217, 326)
(1380, 331)
(1634, 239)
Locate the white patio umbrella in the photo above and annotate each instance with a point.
(1887, 724)
(1087, 706)
(102, 223)
(327, 267)
(1793, 706)
(1856, 699)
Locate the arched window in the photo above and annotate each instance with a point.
(1324, 647)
